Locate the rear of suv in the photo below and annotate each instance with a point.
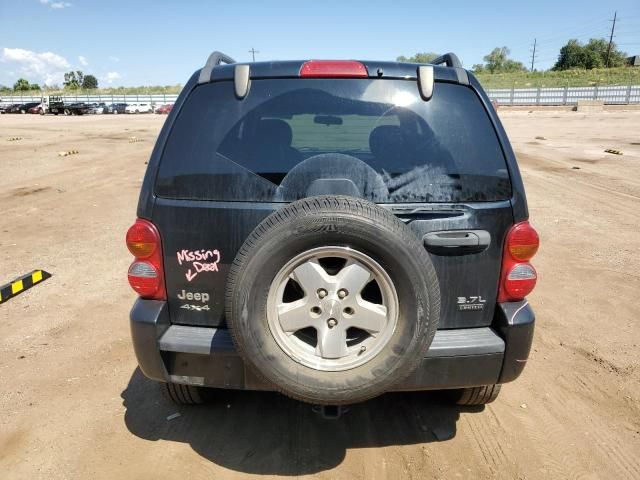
(332, 230)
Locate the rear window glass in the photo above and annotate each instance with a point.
(293, 138)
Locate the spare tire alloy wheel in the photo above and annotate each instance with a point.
(349, 329)
(332, 300)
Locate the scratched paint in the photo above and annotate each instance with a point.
(198, 261)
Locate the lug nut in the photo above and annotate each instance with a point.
(342, 293)
(322, 293)
(332, 322)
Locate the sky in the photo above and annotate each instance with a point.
(143, 42)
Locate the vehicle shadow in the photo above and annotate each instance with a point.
(268, 433)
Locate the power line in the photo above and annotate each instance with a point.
(253, 52)
(546, 58)
(624, 31)
(577, 29)
(613, 27)
(583, 30)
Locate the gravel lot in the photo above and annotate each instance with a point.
(73, 405)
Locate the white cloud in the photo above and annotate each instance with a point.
(47, 67)
(110, 77)
(113, 58)
(56, 5)
(83, 61)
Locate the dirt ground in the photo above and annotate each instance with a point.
(73, 404)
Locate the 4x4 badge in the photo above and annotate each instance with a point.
(195, 308)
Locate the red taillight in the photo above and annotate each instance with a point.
(146, 274)
(334, 69)
(142, 239)
(520, 281)
(523, 241)
(518, 277)
(144, 279)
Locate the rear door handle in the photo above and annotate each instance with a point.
(457, 242)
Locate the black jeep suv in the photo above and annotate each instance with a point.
(332, 230)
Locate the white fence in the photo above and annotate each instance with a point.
(612, 95)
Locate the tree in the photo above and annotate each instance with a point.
(592, 55)
(424, 57)
(89, 82)
(597, 49)
(34, 86)
(514, 66)
(495, 60)
(498, 61)
(21, 85)
(572, 55)
(73, 80)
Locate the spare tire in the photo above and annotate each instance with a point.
(332, 300)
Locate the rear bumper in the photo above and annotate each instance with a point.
(206, 356)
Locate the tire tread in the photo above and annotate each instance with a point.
(478, 395)
(183, 394)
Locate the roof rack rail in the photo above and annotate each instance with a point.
(216, 58)
(450, 59)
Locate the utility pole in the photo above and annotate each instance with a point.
(613, 27)
(533, 56)
(253, 52)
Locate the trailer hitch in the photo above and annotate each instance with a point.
(330, 412)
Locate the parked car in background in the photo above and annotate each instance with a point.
(139, 108)
(13, 108)
(20, 107)
(165, 108)
(98, 108)
(25, 107)
(37, 109)
(6, 108)
(115, 108)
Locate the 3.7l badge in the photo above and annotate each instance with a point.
(472, 303)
